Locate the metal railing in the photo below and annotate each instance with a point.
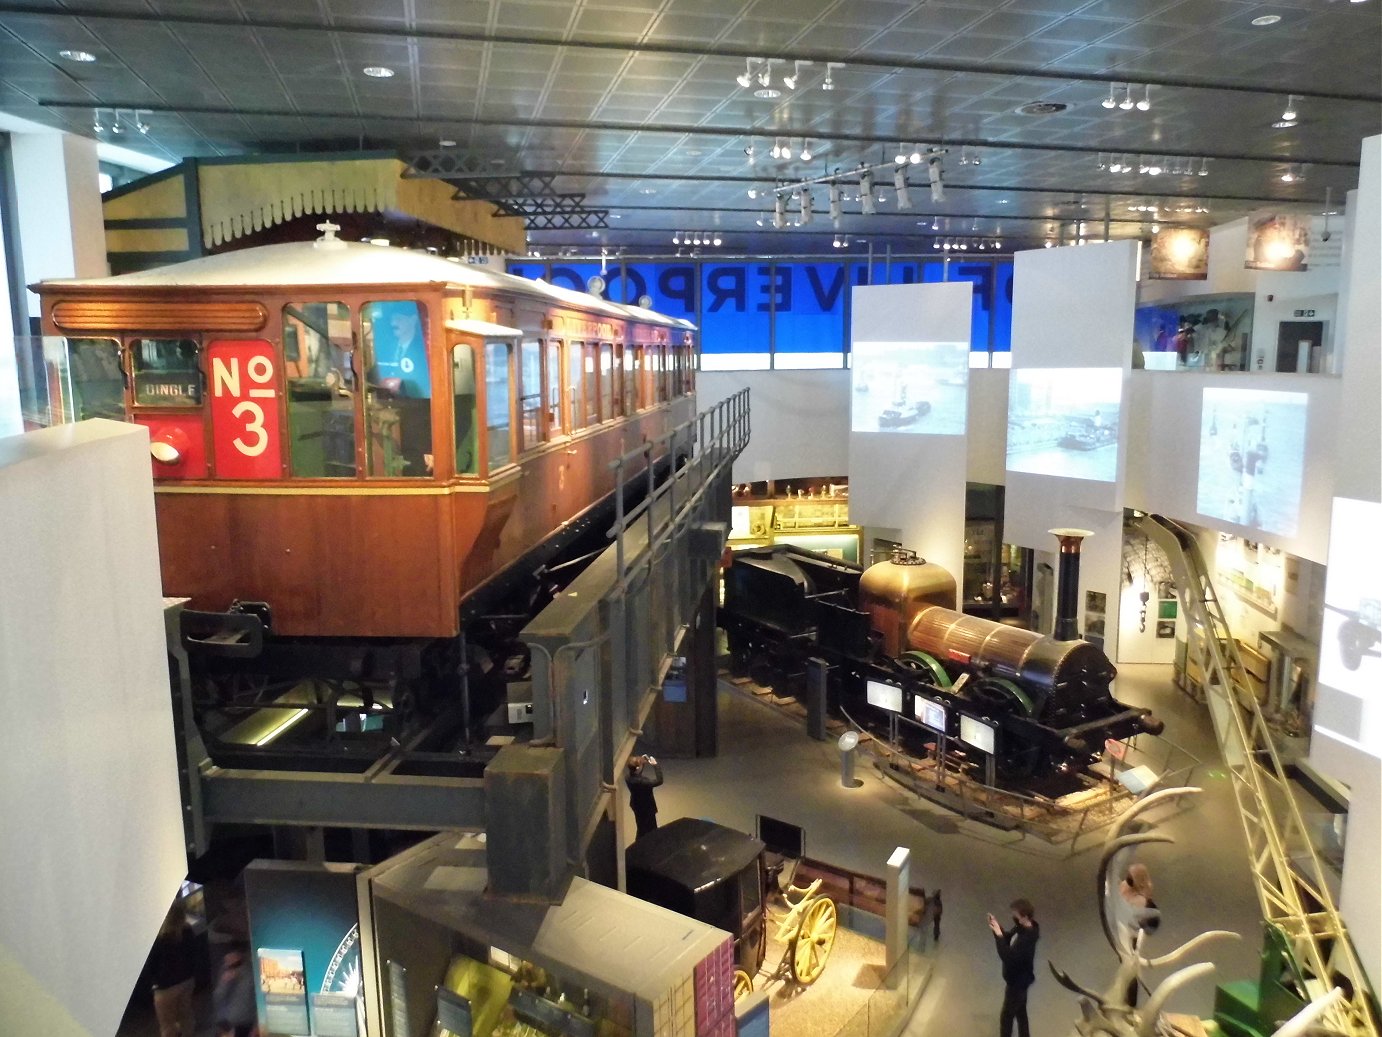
(1286, 869)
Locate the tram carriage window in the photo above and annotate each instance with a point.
(606, 382)
(319, 375)
(590, 386)
(530, 400)
(498, 403)
(553, 391)
(575, 368)
(617, 381)
(98, 383)
(630, 380)
(167, 372)
(398, 389)
(463, 390)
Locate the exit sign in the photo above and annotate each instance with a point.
(1304, 313)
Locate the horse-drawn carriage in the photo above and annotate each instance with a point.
(731, 880)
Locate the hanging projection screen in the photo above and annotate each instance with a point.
(920, 387)
(1064, 421)
(1252, 458)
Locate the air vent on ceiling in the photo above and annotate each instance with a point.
(1043, 108)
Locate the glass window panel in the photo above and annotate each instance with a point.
(463, 404)
(630, 378)
(672, 287)
(809, 325)
(575, 377)
(398, 397)
(606, 381)
(736, 301)
(498, 403)
(590, 388)
(98, 383)
(167, 372)
(318, 351)
(554, 423)
(530, 400)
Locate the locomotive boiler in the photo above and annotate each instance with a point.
(894, 646)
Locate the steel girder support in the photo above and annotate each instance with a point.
(341, 800)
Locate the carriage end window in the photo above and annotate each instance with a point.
(530, 402)
(167, 372)
(98, 383)
(398, 390)
(498, 413)
(463, 397)
(318, 353)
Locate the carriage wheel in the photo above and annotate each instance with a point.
(811, 949)
(743, 984)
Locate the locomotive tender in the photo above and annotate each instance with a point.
(890, 626)
(356, 449)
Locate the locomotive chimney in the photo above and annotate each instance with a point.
(1068, 582)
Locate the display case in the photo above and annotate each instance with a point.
(446, 959)
(809, 513)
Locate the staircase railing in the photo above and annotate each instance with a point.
(1287, 871)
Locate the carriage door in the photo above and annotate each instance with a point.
(245, 435)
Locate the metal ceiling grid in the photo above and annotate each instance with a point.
(616, 90)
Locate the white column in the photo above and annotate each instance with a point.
(895, 918)
(10, 421)
(61, 229)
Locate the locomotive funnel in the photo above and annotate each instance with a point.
(1068, 582)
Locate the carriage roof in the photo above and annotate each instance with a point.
(334, 262)
(693, 853)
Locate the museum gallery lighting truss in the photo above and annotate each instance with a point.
(798, 192)
(697, 238)
(529, 195)
(1126, 103)
(1152, 165)
(758, 76)
(116, 121)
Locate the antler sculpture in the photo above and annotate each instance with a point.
(1110, 1013)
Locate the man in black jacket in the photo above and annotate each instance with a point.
(1017, 950)
(644, 775)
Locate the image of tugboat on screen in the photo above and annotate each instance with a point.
(1088, 434)
(902, 413)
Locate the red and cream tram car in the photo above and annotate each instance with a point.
(362, 436)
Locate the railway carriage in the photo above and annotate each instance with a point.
(352, 443)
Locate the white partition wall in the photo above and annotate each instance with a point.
(1067, 430)
(789, 408)
(92, 852)
(908, 454)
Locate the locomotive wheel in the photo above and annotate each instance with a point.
(743, 984)
(762, 671)
(811, 948)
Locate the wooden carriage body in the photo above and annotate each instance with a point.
(361, 436)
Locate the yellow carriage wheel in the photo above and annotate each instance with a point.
(743, 984)
(811, 949)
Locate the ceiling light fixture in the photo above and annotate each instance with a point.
(1204, 167)
(1102, 163)
(1145, 104)
(745, 78)
(96, 126)
(753, 192)
(765, 77)
(936, 172)
(779, 212)
(378, 71)
(81, 57)
(716, 241)
(806, 150)
(901, 157)
(867, 204)
(750, 154)
(1126, 103)
(1263, 20)
(832, 194)
(904, 196)
(1289, 115)
(790, 82)
(804, 200)
(1110, 101)
(777, 147)
(830, 67)
(1155, 167)
(915, 157)
(446, 142)
(139, 123)
(676, 237)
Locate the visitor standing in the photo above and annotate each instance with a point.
(1017, 950)
(643, 775)
(936, 908)
(173, 970)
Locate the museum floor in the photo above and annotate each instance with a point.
(767, 765)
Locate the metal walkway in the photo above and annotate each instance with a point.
(1287, 872)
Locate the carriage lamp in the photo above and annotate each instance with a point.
(169, 447)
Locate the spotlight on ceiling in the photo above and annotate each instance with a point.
(1110, 101)
(832, 194)
(804, 200)
(1290, 115)
(753, 192)
(1154, 167)
(676, 237)
(1145, 104)
(936, 173)
(915, 157)
(901, 157)
(1204, 167)
(96, 125)
(765, 77)
(1263, 20)
(790, 82)
(777, 148)
(867, 204)
(806, 151)
(830, 67)
(1289, 176)
(1126, 103)
(1102, 163)
(745, 78)
(716, 240)
(81, 57)
(780, 212)
(904, 196)
(139, 123)
(751, 154)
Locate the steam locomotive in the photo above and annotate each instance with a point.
(896, 651)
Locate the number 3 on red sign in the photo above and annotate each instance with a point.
(244, 410)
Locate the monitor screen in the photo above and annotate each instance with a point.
(932, 714)
(976, 733)
(782, 837)
(919, 387)
(885, 696)
(1064, 421)
(1252, 458)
